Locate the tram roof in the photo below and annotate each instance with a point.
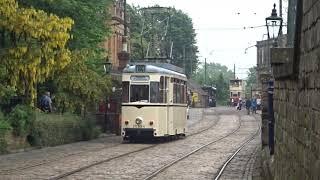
(151, 69)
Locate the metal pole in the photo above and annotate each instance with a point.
(205, 70)
(190, 67)
(234, 71)
(271, 117)
(184, 58)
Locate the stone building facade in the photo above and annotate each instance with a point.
(296, 100)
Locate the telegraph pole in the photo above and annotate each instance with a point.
(205, 70)
(234, 71)
(184, 59)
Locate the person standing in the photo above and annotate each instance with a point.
(248, 105)
(46, 102)
(254, 105)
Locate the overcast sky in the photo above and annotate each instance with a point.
(219, 25)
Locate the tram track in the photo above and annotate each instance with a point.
(224, 166)
(129, 153)
(155, 173)
(12, 171)
(163, 168)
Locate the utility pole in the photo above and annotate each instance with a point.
(190, 67)
(184, 58)
(234, 71)
(205, 70)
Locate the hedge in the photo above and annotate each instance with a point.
(55, 129)
(4, 129)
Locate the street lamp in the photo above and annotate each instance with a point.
(275, 23)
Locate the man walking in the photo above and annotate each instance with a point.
(248, 105)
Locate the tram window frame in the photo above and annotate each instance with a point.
(144, 93)
(125, 91)
(154, 92)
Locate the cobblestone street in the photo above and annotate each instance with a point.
(213, 136)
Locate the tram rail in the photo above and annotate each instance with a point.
(11, 171)
(222, 169)
(155, 173)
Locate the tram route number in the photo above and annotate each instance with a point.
(138, 126)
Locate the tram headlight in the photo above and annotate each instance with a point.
(151, 123)
(126, 122)
(138, 120)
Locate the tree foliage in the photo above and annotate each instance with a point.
(32, 45)
(78, 85)
(218, 76)
(252, 79)
(90, 28)
(180, 31)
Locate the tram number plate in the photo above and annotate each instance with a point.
(138, 126)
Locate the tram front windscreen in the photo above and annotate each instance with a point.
(139, 93)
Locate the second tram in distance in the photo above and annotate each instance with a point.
(154, 102)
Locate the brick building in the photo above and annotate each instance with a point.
(296, 70)
(114, 44)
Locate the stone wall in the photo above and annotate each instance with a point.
(297, 106)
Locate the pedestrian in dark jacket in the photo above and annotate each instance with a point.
(46, 102)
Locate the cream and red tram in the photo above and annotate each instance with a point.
(154, 102)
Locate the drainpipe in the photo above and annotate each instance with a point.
(271, 116)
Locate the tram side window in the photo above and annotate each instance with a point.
(125, 91)
(154, 92)
(174, 91)
(139, 93)
(178, 91)
(162, 88)
(182, 92)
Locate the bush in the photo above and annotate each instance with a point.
(55, 129)
(4, 129)
(21, 119)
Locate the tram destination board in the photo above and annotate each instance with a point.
(140, 68)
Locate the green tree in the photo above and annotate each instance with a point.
(85, 71)
(180, 31)
(79, 86)
(222, 89)
(32, 46)
(252, 79)
(90, 19)
(218, 76)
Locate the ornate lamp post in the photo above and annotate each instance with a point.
(274, 24)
